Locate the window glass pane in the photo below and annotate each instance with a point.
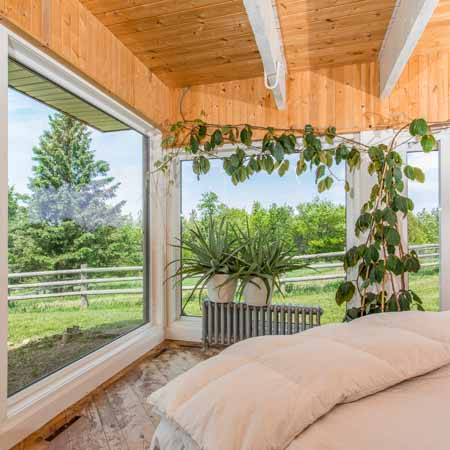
(288, 208)
(75, 237)
(423, 228)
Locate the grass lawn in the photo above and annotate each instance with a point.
(36, 346)
(36, 327)
(322, 293)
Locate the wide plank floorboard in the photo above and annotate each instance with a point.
(119, 417)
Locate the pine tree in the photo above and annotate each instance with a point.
(64, 156)
(68, 183)
(71, 216)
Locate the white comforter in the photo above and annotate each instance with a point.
(265, 393)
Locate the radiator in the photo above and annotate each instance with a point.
(227, 323)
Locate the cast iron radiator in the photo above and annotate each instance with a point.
(227, 323)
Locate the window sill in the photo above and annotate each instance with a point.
(33, 407)
(187, 328)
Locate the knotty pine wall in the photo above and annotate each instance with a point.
(345, 96)
(70, 32)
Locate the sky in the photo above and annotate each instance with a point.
(292, 190)
(122, 150)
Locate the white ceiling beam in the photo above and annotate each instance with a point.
(264, 21)
(409, 20)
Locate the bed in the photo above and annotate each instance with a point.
(380, 382)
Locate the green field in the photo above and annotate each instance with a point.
(322, 293)
(36, 327)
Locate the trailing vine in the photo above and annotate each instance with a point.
(381, 263)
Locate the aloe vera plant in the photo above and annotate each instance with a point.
(208, 252)
(265, 258)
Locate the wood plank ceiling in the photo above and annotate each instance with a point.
(436, 36)
(187, 42)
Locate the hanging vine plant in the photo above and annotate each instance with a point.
(381, 263)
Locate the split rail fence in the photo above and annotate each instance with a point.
(43, 284)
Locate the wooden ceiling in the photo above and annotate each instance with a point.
(320, 33)
(436, 36)
(185, 42)
(188, 42)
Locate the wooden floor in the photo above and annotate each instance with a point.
(118, 417)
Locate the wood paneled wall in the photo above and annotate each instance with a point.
(345, 96)
(71, 33)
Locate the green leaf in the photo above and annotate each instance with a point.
(392, 236)
(202, 131)
(246, 136)
(217, 138)
(418, 127)
(194, 143)
(278, 152)
(269, 165)
(325, 184)
(347, 186)
(419, 175)
(409, 172)
(320, 172)
(428, 143)
(389, 216)
(351, 257)
(342, 153)
(394, 264)
(345, 292)
(301, 166)
(284, 167)
(329, 182)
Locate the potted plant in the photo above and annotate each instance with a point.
(209, 254)
(262, 262)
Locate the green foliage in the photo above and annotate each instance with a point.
(261, 256)
(64, 156)
(381, 258)
(208, 251)
(69, 219)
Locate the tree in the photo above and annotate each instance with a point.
(423, 227)
(320, 227)
(68, 183)
(64, 156)
(210, 206)
(71, 218)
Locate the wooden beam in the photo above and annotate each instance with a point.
(409, 19)
(263, 19)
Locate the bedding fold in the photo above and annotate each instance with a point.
(260, 394)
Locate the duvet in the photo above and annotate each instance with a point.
(380, 382)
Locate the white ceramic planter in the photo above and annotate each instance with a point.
(221, 294)
(255, 293)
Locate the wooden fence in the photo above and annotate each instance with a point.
(46, 289)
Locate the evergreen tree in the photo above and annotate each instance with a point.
(68, 183)
(71, 217)
(64, 156)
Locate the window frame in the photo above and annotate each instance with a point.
(189, 328)
(29, 409)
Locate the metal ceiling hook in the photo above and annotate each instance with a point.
(277, 79)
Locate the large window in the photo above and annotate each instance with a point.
(76, 231)
(287, 208)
